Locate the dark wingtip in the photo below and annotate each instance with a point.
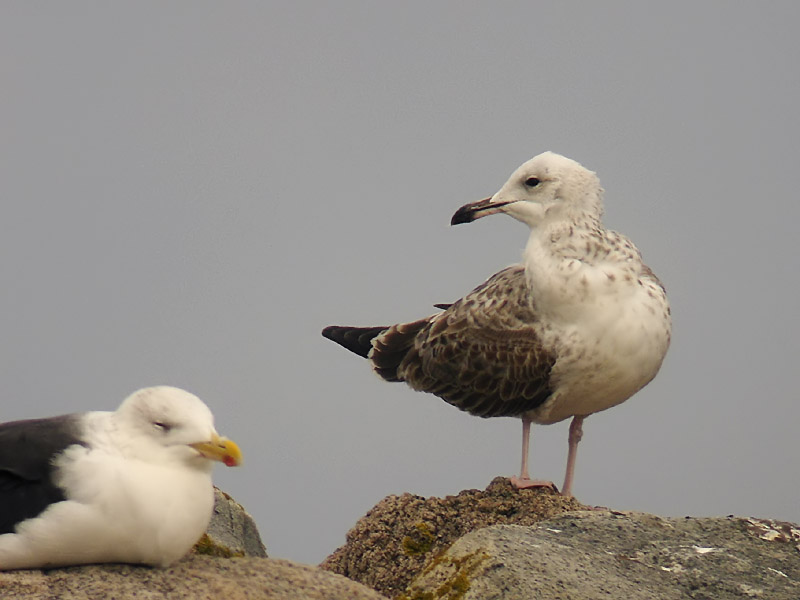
(356, 339)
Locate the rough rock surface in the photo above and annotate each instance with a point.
(195, 577)
(594, 555)
(394, 540)
(231, 532)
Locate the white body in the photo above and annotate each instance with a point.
(137, 493)
(601, 308)
(610, 322)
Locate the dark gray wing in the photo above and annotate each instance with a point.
(482, 354)
(27, 449)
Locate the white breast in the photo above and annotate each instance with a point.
(609, 324)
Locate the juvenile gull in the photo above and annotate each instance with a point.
(130, 486)
(580, 326)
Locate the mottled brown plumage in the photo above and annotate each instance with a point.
(481, 354)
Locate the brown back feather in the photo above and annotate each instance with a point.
(484, 358)
(482, 354)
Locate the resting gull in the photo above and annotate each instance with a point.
(129, 486)
(580, 326)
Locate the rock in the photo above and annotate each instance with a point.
(203, 574)
(394, 540)
(195, 577)
(231, 532)
(594, 555)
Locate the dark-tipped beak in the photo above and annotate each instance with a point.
(475, 210)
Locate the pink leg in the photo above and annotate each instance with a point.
(524, 481)
(575, 435)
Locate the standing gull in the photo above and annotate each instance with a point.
(130, 486)
(580, 326)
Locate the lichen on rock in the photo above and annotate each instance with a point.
(451, 582)
(596, 555)
(397, 537)
(208, 547)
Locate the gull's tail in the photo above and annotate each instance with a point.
(355, 339)
(385, 347)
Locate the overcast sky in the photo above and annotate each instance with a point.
(192, 190)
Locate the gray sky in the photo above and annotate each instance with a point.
(192, 190)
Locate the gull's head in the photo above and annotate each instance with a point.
(165, 424)
(547, 188)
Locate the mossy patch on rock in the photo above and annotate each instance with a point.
(392, 543)
(455, 585)
(605, 554)
(419, 541)
(208, 547)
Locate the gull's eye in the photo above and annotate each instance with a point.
(532, 182)
(162, 427)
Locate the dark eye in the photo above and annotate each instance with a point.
(163, 427)
(532, 182)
